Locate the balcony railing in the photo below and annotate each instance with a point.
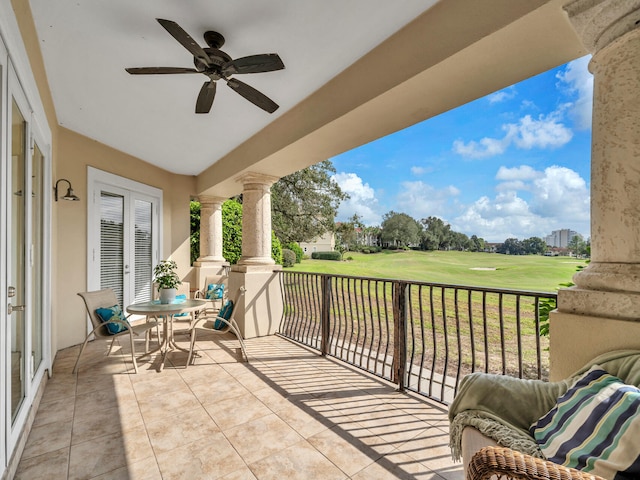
(422, 336)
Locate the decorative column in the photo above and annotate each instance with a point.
(210, 263)
(602, 312)
(211, 229)
(260, 309)
(256, 219)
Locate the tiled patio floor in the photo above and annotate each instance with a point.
(287, 414)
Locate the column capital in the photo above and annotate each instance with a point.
(211, 200)
(252, 178)
(600, 22)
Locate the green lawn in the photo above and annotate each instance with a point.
(522, 272)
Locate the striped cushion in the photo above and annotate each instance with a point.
(594, 427)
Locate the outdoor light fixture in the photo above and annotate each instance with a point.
(67, 196)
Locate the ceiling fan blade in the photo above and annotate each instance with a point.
(185, 40)
(159, 70)
(253, 95)
(205, 97)
(266, 62)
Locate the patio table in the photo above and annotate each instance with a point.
(166, 311)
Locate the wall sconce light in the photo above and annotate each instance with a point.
(67, 196)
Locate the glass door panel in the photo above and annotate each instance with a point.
(143, 250)
(112, 243)
(37, 247)
(16, 258)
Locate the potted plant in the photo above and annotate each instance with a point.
(165, 276)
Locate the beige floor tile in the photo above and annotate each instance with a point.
(146, 469)
(115, 420)
(304, 421)
(208, 459)
(52, 465)
(157, 407)
(219, 390)
(275, 399)
(109, 452)
(300, 461)
(87, 403)
(198, 374)
(236, 411)
(262, 437)
(431, 448)
(47, 438)
(398, 466)
(163, 384)
(55, 411)
(174, 431)
(105, 421)
(347, 453)
(61, 385)
(243, 473)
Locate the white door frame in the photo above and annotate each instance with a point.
(96, 180)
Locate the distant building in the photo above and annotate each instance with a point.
(326, 243)
(561, 238)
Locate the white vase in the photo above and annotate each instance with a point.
(168, 295)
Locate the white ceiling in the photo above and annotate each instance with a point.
(86, 46)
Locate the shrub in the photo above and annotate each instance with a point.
(288, 258)
(326, 256)
(276, 248)
(295, 248)
(366, 250)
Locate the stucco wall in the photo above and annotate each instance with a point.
(75, 154)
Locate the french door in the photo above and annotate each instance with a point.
(24, 270)
(124, 236)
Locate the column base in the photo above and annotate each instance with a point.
(260, 310)
(609, 276)
(575, 340)
(621, 305)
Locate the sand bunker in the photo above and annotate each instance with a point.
(482, 268)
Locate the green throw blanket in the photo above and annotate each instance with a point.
(503, 408)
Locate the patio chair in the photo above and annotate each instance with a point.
(107, 299)
(222, 322)
(533, 429)
(215, 290)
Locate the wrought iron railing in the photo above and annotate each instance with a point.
(422, 336)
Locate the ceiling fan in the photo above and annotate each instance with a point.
(216, 64)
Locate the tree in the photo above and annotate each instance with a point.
(347, 232)
(304, 204)
(511, 246)
(194, 239)
(577, 246)
(436, 234)
(232, 231)
(399, 229)
(534, 246)
(477, 244)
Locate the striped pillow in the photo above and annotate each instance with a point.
(594, 427)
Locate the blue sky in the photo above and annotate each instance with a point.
(515, 163)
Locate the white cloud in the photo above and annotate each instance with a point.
(523, 172)
(503, 95)
(557, 198)
(487, 147)
(420, 200)
(417, 171)
(545, 132)
(578, 81)
(362, 199)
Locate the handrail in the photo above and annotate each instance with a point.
(423, 336)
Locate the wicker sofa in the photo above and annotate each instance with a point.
(496, 412)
